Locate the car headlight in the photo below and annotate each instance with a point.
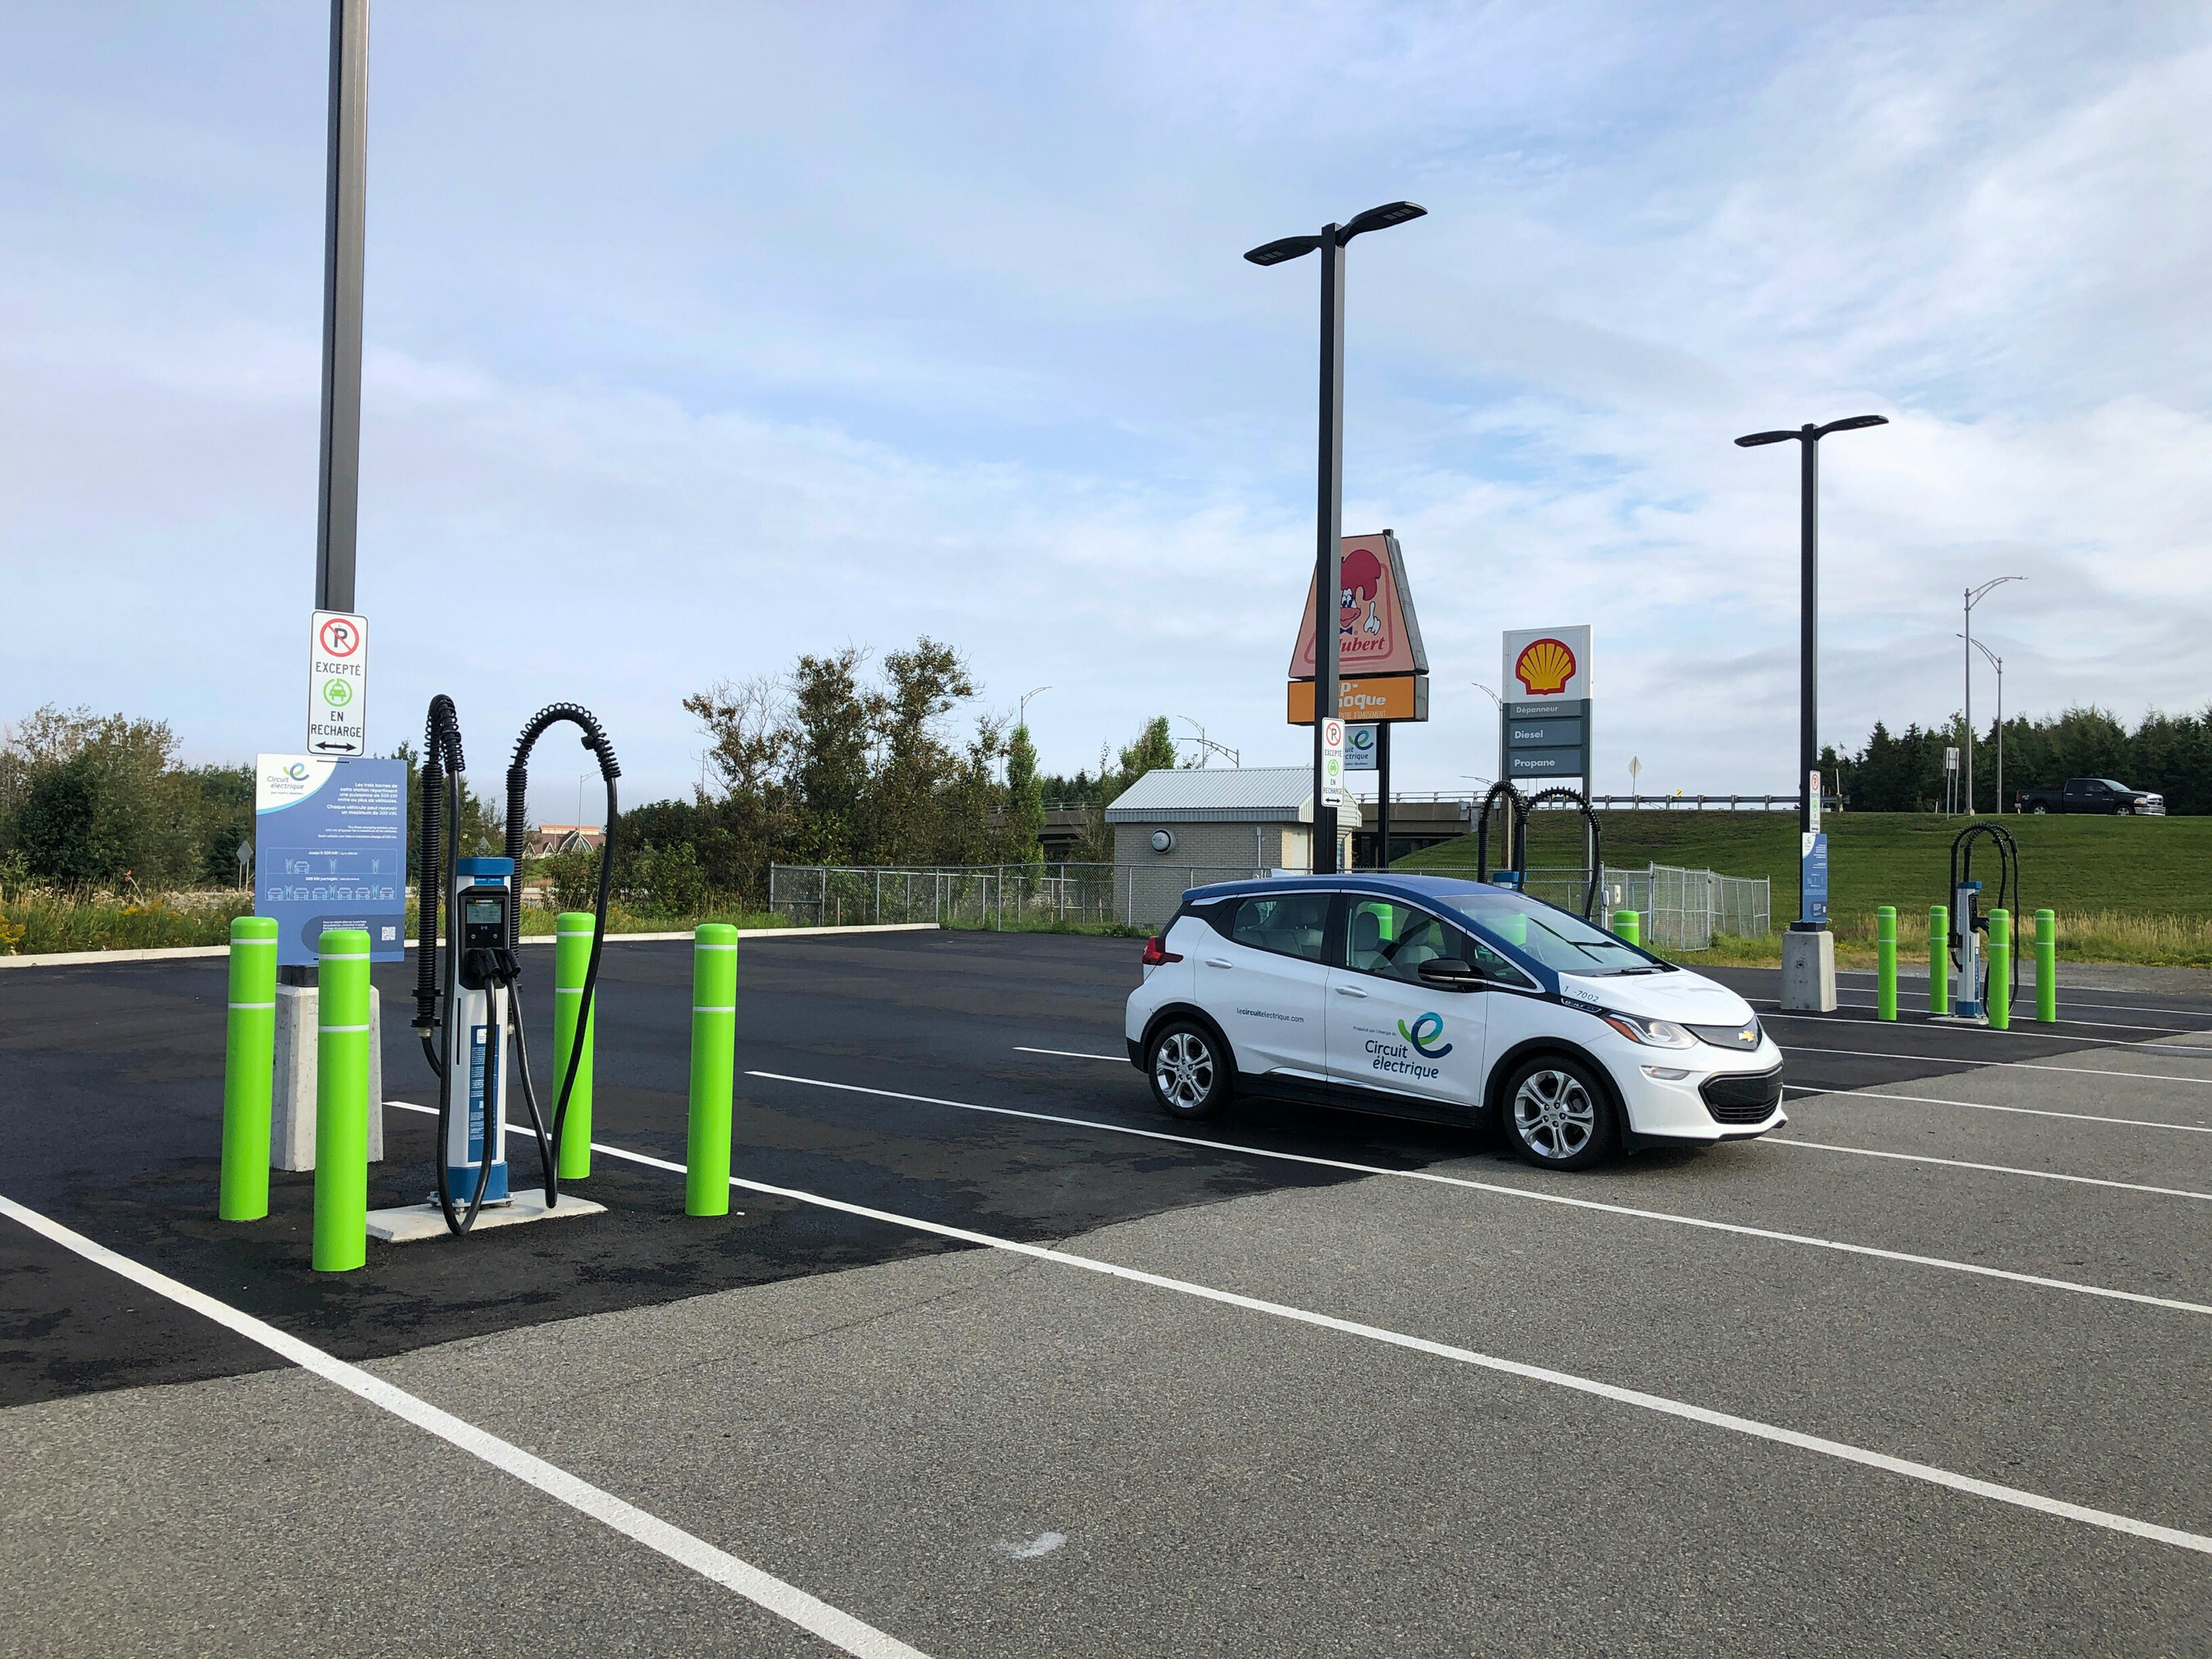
(1652, 1033)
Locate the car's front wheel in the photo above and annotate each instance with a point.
(1189, 1070)
(1558, 1114)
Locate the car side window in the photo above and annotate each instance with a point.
(1491, 966)
(1382, 936)
(1289, 924)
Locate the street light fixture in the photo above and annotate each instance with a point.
(1328, 530)
(1207, 746)
(1022, 718)
(1808, 599)
(1997, 663)
(1974, 597)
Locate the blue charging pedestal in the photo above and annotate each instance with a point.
(1966, 994)
(477, 1024)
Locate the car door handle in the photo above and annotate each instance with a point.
(1220, 962)
(1351, 991)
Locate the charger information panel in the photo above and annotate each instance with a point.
(330, 846)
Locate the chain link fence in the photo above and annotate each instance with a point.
(1682, 910)
(1001, 895)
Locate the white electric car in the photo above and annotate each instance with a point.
(1450, 1000)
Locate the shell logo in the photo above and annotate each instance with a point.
(1544, 667)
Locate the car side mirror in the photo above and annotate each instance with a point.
(1450, 973)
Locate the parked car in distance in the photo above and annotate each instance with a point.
(2093, 795)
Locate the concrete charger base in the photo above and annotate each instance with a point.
(412, 1224)
(1808, 972)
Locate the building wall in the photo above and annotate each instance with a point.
(1227, 848)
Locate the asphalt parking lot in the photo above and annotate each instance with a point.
(996, 1360)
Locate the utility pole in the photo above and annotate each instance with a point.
(337, 501)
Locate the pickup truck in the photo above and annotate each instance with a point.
(2093, 795)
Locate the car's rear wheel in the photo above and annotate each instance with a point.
(2039, 810)
(1189, 1070)
(1558, 1114)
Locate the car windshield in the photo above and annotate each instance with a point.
(1553, 937)
(2114, 784)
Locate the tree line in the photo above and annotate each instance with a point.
(1903, 772)
(100, 801)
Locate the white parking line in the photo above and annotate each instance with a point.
(1993, 1169)
(2195, 1019)
(1500, 1189)
(1751, 1427)
(1987, 1065)
(1779, 1012)
(840, 1630)
(2202, 1015)
(1913, 1158)
(1985, 1106)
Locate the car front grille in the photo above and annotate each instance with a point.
(1742, 1038)
(1742, 1098)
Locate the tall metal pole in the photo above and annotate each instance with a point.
(2000, 663)
(1809, 626)
(1328, 533)
(338, 499)
(1967, 653)
(1382, 794)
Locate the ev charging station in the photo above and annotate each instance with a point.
(1969, 963)
(480, 974)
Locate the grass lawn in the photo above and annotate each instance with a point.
(2126, 889)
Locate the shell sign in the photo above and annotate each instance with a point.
(1547, 663)
(1544, 667)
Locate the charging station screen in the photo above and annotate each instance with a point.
(484, 910)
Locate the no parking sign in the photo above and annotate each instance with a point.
(337, 685)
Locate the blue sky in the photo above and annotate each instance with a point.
(699, 337)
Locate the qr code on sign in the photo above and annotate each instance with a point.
(390, 934)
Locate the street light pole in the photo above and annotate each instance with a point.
(1808, 618)
(1997, 663)
(1329, 512)
(1974, 597)
(338, 490)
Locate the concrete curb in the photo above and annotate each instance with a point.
(182, 952)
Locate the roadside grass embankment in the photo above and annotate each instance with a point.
(2131, 890)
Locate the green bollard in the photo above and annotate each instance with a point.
(2046, 966)
(1939, 958)
(714, 1068)
(572, 954)
(1884, 962)
(341, 1101)
(2000, 998)
(249, 1060)
(1629, 926)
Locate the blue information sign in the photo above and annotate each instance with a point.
(329, 850)
(1813, 881)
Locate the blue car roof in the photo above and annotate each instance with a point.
(1376, 881)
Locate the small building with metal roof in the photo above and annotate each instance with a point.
(1210, 825)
